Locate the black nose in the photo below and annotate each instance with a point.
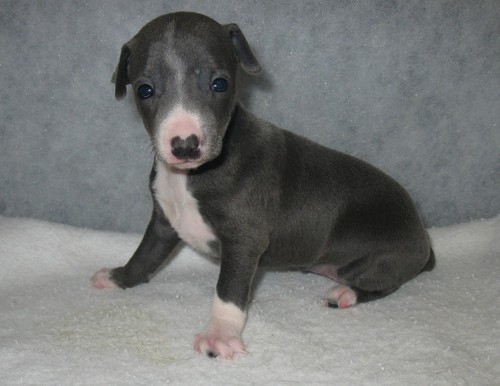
(186, 148)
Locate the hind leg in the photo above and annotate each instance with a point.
(339, 295)
(350, 278)
(373, 277)
(342, 296)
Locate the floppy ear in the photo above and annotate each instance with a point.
(248, 61)
(120, 76)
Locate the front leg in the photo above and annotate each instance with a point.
(158, 241)
(222, 336)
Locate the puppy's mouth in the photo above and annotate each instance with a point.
(181, 163)
(185, 164)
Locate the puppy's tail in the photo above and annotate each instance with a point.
(431, 263)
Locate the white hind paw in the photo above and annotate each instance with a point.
(340, 296)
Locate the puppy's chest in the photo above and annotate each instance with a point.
(181, 208)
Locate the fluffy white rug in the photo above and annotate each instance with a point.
(443, 328)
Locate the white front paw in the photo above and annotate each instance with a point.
(222, 337)
(102, 279)
(219, 340)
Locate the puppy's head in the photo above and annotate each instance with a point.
(182, 69)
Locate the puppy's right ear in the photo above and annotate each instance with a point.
(120, 76)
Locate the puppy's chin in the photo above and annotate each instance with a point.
(175, 163)
(186, 165)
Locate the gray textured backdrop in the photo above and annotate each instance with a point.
(411, 86)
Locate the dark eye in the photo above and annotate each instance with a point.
(145, 91)
(219, 85)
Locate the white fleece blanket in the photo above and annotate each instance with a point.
(443, 328)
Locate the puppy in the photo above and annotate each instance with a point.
(250, 194)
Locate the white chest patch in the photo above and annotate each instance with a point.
(181, 208)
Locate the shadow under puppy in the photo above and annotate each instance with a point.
(248, 193)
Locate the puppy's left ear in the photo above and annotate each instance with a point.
(248, 61)
(120, 76)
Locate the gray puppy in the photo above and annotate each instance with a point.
(248, 193)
